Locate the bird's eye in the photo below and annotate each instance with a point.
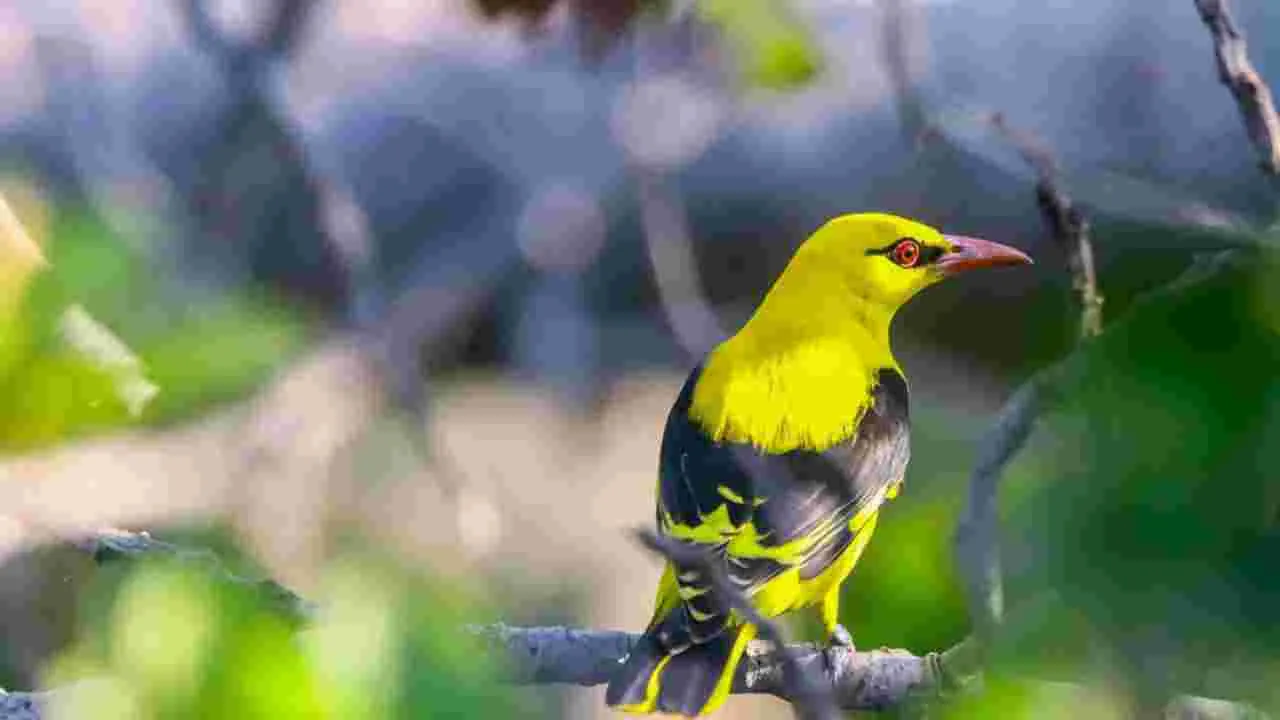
(906, 252)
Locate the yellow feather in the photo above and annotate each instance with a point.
(730, 495)
(650, 700)
(725, 684)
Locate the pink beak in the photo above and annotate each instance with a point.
(970, 253)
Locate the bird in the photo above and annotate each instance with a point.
(780, 449)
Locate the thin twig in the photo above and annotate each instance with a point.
(666, 235)
(278, 36)
(976, 538)
(897, 63)
(205, 31)
(281, 33)
(1069, 227)
(809, 698)
(664, 222)
(1252, 95)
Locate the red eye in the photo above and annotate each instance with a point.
(906, 253)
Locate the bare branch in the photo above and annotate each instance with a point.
(1068, 225)
(285, 27)
(976, 539)
(874, 680)
(278, 36)
(670, 249)
(653, 151)
(205, 31)
(976, 535)
(895, 53)
(1252, 95)
(21, 706)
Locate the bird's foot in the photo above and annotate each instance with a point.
(839, 639)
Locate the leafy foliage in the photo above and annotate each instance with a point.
(1146, 545)
(162, 638)
(195, 353)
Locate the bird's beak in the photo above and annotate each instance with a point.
(969, 253)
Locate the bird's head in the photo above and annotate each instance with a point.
(886, 259)
(801, 369)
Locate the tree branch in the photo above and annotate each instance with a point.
(278, 36)
(976, 540)
(1069, 227)
(1252, 95)
(895, 54)
(22, 705)
(875, 680)
(670, 250)
(204, 29)
(284, 28)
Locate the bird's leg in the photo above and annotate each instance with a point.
(838, 636)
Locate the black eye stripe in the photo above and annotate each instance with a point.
(928, 253)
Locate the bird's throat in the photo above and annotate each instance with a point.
(801, 384)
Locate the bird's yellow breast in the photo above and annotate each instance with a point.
(800, 373)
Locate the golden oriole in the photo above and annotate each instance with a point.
(780, 449)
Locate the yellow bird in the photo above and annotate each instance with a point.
(781, 448)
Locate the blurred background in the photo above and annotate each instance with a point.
(387, 300)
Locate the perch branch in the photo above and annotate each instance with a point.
(1252, 95)
(856, 680)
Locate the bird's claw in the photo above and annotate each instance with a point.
(839, 639)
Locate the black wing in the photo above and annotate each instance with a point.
(784, 496)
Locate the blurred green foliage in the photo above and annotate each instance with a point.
(166, 638)
(770, 45)
(196, 353)
(1143, 523)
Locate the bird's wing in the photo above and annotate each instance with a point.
(705, 497)
(764, 514)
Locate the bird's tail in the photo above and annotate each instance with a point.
(693, 682)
